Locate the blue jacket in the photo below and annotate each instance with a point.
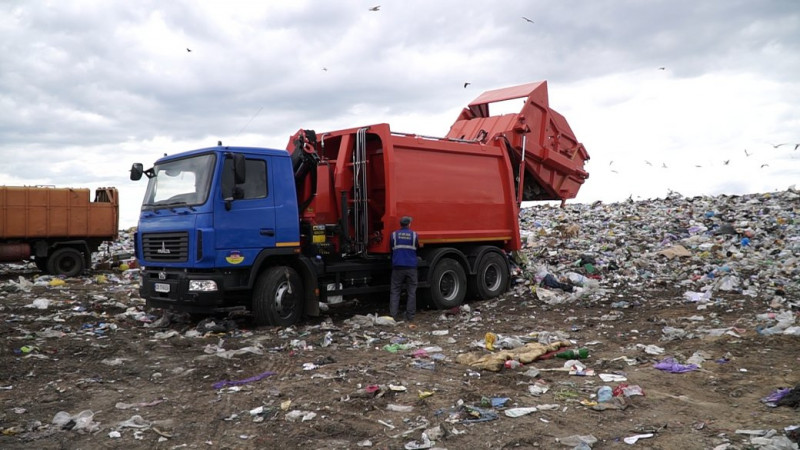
(404, 248)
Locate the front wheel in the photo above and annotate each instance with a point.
(65, 261)
(448, 284)
(278, 297)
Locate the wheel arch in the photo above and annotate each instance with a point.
(79, 245)
(476, 254)
(433, 256)
(302, 265)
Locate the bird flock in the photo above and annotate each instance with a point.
(725, 162)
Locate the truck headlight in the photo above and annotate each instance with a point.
(202, 285)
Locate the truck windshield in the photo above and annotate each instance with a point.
(183, 182)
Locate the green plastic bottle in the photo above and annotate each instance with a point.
(581, 353)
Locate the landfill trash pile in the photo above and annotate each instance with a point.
(666, 323)
(701, 248)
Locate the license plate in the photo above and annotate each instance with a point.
(162, 287)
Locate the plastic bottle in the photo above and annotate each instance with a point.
(604, 394)
(328, 339)
(581, 353)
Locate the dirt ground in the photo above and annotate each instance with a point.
(142, 385)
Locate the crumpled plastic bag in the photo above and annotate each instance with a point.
(83, 421)
(672, 366)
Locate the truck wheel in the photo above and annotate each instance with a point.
(278, 297)
(65, 261)
(41, 263)
(448, 284)
(492, 277)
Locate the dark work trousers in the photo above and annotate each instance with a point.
(403, 278)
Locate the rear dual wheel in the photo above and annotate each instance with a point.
(491, 278)
(448, 284)
(65, 261)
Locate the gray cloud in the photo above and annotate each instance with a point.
(88, 87)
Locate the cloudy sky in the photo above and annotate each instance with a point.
(89, 87)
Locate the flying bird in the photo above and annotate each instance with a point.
(777, 145)
(648, 163)
(614, 171)
(746, 153)
(662, 68)
(726, 161)
(466, 84)
(325, 69)
(764, 165)
(375, 8)
(526, 19)
(664, 165)
(188, 50)
(796, 145)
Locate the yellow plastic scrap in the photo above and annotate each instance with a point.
(425, 394)
(11, 431)
(123, 267)
(57, 282)
(101, 279)
(286, 404)
(490, 339)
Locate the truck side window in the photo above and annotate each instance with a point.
(256, 184)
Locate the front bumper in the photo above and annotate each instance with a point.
(169, 289)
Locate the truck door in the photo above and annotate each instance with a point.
(249, 225)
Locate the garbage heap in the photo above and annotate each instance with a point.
(698, 249)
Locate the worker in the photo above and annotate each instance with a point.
(404, 269)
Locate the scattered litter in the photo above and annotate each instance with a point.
(519, 412)
(399, 408)
(121, 405)
(611, 377)
(224, 383)
(303, 416)
(783, 397)
(633, 439)
(576, 440)
(672, 366)
(82, 422)
(39, 303)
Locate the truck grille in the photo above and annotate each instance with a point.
(166, 247)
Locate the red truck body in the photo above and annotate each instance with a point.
(465, 188)
(456, 192)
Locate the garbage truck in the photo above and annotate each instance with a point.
(280, 231)
(59, 228)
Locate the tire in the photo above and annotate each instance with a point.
(41, 263)
(65, 261)
(492, 276)
(278, 297)
(448, 284)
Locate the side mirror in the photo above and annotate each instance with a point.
(137, 169)
(238, 168)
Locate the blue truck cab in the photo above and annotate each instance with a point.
(218, 223)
